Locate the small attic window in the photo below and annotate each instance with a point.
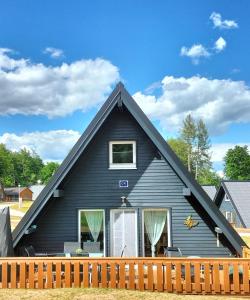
(227, 198)
(122, 155)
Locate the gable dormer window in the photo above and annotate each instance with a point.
(122, 155)
(227, 198)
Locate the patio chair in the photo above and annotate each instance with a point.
(172, 252)
(70, 247)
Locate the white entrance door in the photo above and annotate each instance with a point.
(123, 232)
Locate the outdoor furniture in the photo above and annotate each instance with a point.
(91, 247)
(71, 247)
(172, 252)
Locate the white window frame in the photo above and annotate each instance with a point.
(168, 226)
(111, 227)
(227, 198)
(104, 228)
(114, 166)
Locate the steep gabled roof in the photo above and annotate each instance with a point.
(239, 195)
(210, 190)
(121, 97)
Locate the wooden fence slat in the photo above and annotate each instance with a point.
(122, 276)
(178, 279)
(168, 278)
(49, 275)
(40, 275)
(150, 277)
(245, 277)
(236, 279)
(22, 275)
(58, 274)
(13, 281)
(77, 274)
(188, 286)
(141, 276)
(226, 278)
(131, 279)
(4, 275)
(207, 278)
(86, 275)
(113, 275)
(31, 275)
(197, 277)
(159, 277)
(104, 279)
(68, 279)
(95, 275)
(216, 277)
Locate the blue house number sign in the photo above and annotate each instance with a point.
(123, 183)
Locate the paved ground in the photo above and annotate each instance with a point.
(13, 212)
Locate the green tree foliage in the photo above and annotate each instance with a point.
(6, 168)
(180, 147)
(24, 167)
(48, 170)
(188, 135)
(237, 163)
(192, 147)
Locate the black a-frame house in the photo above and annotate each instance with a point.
(121, 188)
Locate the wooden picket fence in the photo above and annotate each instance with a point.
(178, 275)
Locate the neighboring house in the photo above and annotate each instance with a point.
(210, 190)
(233, 199)
(36, 190)
(122, 190)
(12, 193)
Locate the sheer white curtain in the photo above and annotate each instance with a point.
(154, 222)
(94, 220)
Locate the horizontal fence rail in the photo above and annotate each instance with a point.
(178, 275)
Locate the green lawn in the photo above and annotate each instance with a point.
(96, 294)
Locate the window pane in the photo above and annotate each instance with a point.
(156, 227)
(122, 153)
(92, 231)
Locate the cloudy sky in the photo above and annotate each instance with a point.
(59, 60)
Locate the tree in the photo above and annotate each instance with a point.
(27, 167)
(180, 147)
(202, 155)
(209, 176)
(188, 135)
(5, 168)
(192, 147)
(48, 170)
(237, 163)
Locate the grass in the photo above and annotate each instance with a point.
(246, 239)
(98, 294)
(25, 206)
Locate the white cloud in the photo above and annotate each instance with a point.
(50, 145)
(54, 52)
(222, 24)
(195, 52)
(219, 150)
(220, 44)
(36, 89)
(218, 102)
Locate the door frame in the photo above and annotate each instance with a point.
(136, 227)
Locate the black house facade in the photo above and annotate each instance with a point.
(122, 190)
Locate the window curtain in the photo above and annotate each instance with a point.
(154, 222)
(94, 220)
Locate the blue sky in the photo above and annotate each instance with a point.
(60, 59)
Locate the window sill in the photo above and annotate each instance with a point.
(121, 167)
